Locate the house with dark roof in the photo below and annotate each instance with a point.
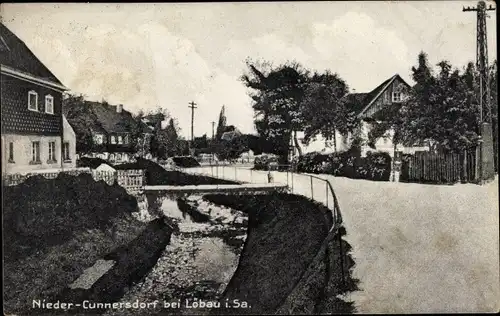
(35, 133)
(365, 105)
(112, 129)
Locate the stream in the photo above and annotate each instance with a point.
(196, 266)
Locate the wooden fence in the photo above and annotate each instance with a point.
(427, 167)
(131, 180)
(17, 178)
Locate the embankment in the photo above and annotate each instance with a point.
(274, 274)
(55, 229)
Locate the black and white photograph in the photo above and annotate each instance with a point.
(249, 158)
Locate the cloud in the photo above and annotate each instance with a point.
(356, 45)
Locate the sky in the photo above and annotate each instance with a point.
(149, 55)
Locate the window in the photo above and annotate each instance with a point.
(125, 139)
(49, 104)
(113, 139)
(11, 152)
(52, 151)
(35, 152)
(66, 156)
(98, 139)
(120, 139)
(118, 157)
(33, 101)
(396, 97)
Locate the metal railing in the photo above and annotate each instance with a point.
(314, 187)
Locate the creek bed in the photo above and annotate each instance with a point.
(200, 260)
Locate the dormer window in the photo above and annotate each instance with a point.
(397, 97)
(33, 101)
(49, 104)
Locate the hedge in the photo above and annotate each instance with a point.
(375, 166)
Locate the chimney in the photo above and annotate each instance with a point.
(119, 108)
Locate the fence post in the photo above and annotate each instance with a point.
(312, 191)
(326, 185)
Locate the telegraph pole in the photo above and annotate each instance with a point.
(213, 127)
(192, 106)
(484, 82)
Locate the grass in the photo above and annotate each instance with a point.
(45, 273)
(284, 233)
(133, 261)
(55, 229)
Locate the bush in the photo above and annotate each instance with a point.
(376, 166)
(185, 162)
(263, 162)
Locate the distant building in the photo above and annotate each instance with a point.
(112, 130)
(35, 133)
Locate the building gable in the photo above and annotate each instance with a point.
(383, 95)
(17, 58)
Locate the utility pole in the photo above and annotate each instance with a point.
(192, 107)
(484, 85)
(213, 132)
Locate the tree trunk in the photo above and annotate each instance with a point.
(334, 140)
(296, 143)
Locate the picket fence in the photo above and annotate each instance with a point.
(428, 167)
(131, 180)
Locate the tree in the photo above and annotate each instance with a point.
(231, 149)
(165, 142)
(83, 121)
(277, 93)
(221, 125)
(441, 109)
(325, 109)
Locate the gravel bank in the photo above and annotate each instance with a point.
(198, 263)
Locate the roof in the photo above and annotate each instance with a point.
(360, 102)
(110, 120)
(15, 54)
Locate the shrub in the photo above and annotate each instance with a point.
(376, 166)
(185, 161)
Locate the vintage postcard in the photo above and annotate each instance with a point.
(235, 158)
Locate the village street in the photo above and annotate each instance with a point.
(418, 248)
